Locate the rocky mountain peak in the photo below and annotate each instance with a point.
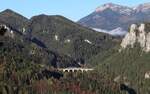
(114, 7)
(123, 9)
(106, 6)
(103, 7)
(8, 11)
(137, 34)
(6, 31)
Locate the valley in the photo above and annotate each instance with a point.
(50, 54)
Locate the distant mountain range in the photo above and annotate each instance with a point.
(112, 17)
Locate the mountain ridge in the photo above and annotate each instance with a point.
(114, 7)
(68, 40)
(112, 16)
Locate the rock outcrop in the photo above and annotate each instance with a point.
(137, 34)
(6, 31)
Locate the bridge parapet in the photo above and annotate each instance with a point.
(75, 69)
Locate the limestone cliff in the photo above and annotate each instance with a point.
(137, 34)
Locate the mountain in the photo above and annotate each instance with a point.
(20, 44)
(68, 43)
(112, 16)
(25, 64)
(29, 56)
(25, 67)
(64, 36)
(15, 46)
(31, 50)
(13, 19)
(128, 63)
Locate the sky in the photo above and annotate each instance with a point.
(72, 9)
